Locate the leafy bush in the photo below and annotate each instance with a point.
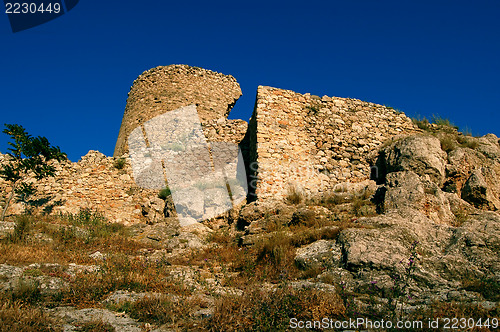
(28, 155)
(89, 224)
(489, 288)
(275, 250)
(160, 310)
(86, 216)
(121, 272)
(313, 108)
(448, 143)
(468, 142)
(27, 291)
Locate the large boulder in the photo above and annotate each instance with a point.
(489, 145)
(481, 189)
(479, 240)
(381, 249)
(421, 154)
(462, 161)
(407, 190)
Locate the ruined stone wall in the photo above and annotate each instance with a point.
(167, 88)
(314, 143)
(93, 182)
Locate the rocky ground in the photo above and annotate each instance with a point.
(421, 240)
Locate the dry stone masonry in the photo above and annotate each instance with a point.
(94, 183)
(314, 143)
(167, 88)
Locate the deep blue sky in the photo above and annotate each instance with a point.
(68, 79)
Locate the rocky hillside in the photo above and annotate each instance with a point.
(420, 240)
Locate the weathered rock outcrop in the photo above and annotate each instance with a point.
(458, 242)
(481, 188)
(421, 154)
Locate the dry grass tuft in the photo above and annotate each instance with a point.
(121, 273)
(294, 195)
(271, 310)
(16, 316)
(95, 326)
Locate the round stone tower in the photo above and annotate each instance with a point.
(167, 88)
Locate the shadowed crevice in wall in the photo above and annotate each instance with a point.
(248, 148)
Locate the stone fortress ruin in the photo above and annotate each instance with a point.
(292, 140)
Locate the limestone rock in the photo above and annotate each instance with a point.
(421, 154)
(257, 215)
(153, 210)
(171, 235)
(322, 253)
(169, 210)
(478, 192)
(408, 190)
(120, 297)
(309, 215)
(9, 275)
(489, 146)
(73, 317)
(479, 241)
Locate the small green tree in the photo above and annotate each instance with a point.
(28, 157)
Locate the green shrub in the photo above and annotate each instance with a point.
(86, 216)
(164, 193)
(331, 199)
(89, 224)
(119, 163)
(313, 108)
(489, 288)
(158, 310)
(363, 207)
(274, 249)
(468, 142)
(262, 310)
(29, 157)
(16, 316)
(27, 291)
